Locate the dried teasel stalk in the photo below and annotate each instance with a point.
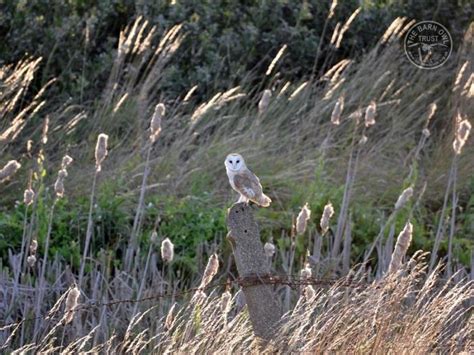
(326, 217)
(71, 304)
(337, 111)
(155, 124)
(167, 250)
(264, 102)
(403, 242)
(210, 271)
(404, 198)
(370, 114)
(269, 249)
(302, 219)
(100, 150)
(9, 170)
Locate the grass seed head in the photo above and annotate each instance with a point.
(461, 136)
(370, 114)
(28, 196)
(9, 170)
(71, 304)
(33, 246)
(337, 111)
(226, 303)
(403, 242)
(404, 198)
(167, 250)
(302, 219)
(170, 317)
(100, 150)
(210, 271)
(31, 260)
(326, 217)
(155, 124)
(269, 249)
(264, 102)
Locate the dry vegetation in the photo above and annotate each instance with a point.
(371, 123)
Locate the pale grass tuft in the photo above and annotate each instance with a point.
(71, 304)
(346, 27)
(155, 124)
(332, 9)
(403, 242)
(167, 250)
(264, 101)
(370, 114)
(337, 111)
(210, 271)
(302, 219)
(326, 217)
(9, 170)
(298, 90)
(100, 150)
(269, 249)
(404, 198)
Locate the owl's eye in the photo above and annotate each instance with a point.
(238, 161)
(230, 161)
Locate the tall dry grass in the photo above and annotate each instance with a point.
(389, 305)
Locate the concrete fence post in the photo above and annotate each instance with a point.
(252, 264)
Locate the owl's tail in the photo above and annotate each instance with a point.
(264, 200)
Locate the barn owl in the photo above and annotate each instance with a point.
(244, 181)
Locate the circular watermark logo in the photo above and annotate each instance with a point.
(428, 44)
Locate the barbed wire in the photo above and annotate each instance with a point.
(293, 281)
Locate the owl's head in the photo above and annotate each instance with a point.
(234, 162)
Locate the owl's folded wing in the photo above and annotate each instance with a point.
(248, 185)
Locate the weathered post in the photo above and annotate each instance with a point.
(251, 263)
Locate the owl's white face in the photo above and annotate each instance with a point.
(234, 162)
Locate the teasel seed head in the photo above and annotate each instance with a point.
(100, 150)
(9, 170)
(59, 184)
(269, 249)
(31, 260)
(326, 217)
(155, 124)
(264, 101)
(337, 111)
(167, 250)
(370, 114)
(71, 304)
(28, 196)
(210, 271)
(403, 242)
(404, 198)
(302, 219)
